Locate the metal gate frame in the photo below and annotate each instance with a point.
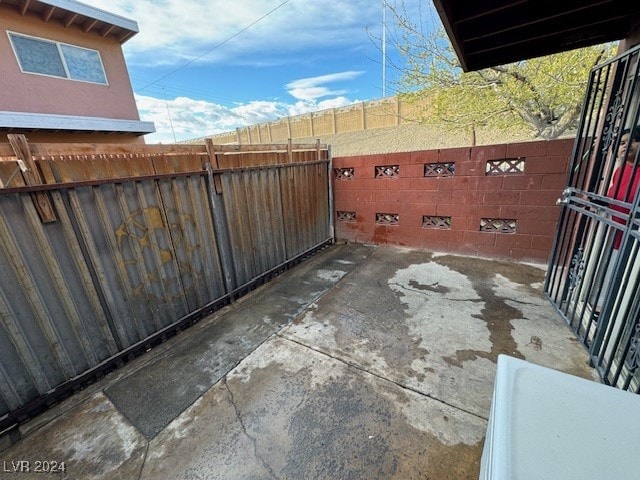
(593, 278)
(111, 249)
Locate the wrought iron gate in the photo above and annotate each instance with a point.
(594, 270)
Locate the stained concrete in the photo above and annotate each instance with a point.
(92, 441)
(197, 362)
(436, 323)
(362, 362)
(291, 412)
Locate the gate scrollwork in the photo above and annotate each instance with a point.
(633, 357)
(577, 269)
(610, 130)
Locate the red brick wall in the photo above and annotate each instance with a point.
(522, 203)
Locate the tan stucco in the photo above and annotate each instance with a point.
(24, 92)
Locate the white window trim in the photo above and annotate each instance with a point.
(62, 58)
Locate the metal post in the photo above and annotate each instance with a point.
(332, 229)
(222, 234)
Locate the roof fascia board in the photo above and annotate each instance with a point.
(94, 13)
(442, 8)
(47, 121)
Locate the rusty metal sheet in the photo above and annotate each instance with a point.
(128, 234)
(193, 239)
(240, 229)
(263, 194)
(49, 310)
(289, 211)
(129, 257)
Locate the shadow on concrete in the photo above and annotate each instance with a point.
(363, 362)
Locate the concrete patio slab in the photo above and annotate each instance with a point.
(92, 441)
(436, 323)
(197, 361)
(289, 412)
(361, 362)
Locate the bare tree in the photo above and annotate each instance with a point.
(542, 95)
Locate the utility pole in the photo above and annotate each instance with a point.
(384, 48)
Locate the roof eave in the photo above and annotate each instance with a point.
(72, 13)
(72, 123)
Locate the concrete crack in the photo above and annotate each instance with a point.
(519, 302)
(381, 377)
(470, 300)
(146, 455)
(253, 440)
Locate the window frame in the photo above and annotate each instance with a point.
(61, 57)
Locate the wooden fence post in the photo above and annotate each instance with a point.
(290, 150)
(32, 177)
(335, 129)
(213, 160)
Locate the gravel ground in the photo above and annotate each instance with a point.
(407, 138)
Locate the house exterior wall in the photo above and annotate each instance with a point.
(524, 203)
(43, 94)
(79, 137)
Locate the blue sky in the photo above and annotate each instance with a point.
(201, 67)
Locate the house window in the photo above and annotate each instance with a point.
(46, 57)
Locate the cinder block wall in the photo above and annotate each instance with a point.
(494, 201)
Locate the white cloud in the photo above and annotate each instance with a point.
(174, 33)
(312, 106)
(312, 88)
(184, 30)
(311, 93)
(185, 118)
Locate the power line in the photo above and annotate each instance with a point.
(215, 46)
(180, 90)
(170, 119)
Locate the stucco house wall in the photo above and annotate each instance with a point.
(32, 93)
(72, 97)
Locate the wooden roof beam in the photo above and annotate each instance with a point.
(25, 7)
(127, 35)
(46, 15)
(543, 36)
(70, 19)
(490, 12)
(89, 24)
(107, 30)
(542, 20)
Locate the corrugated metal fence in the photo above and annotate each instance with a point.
(106, 250)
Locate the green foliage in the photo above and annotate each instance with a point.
(543, 95)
